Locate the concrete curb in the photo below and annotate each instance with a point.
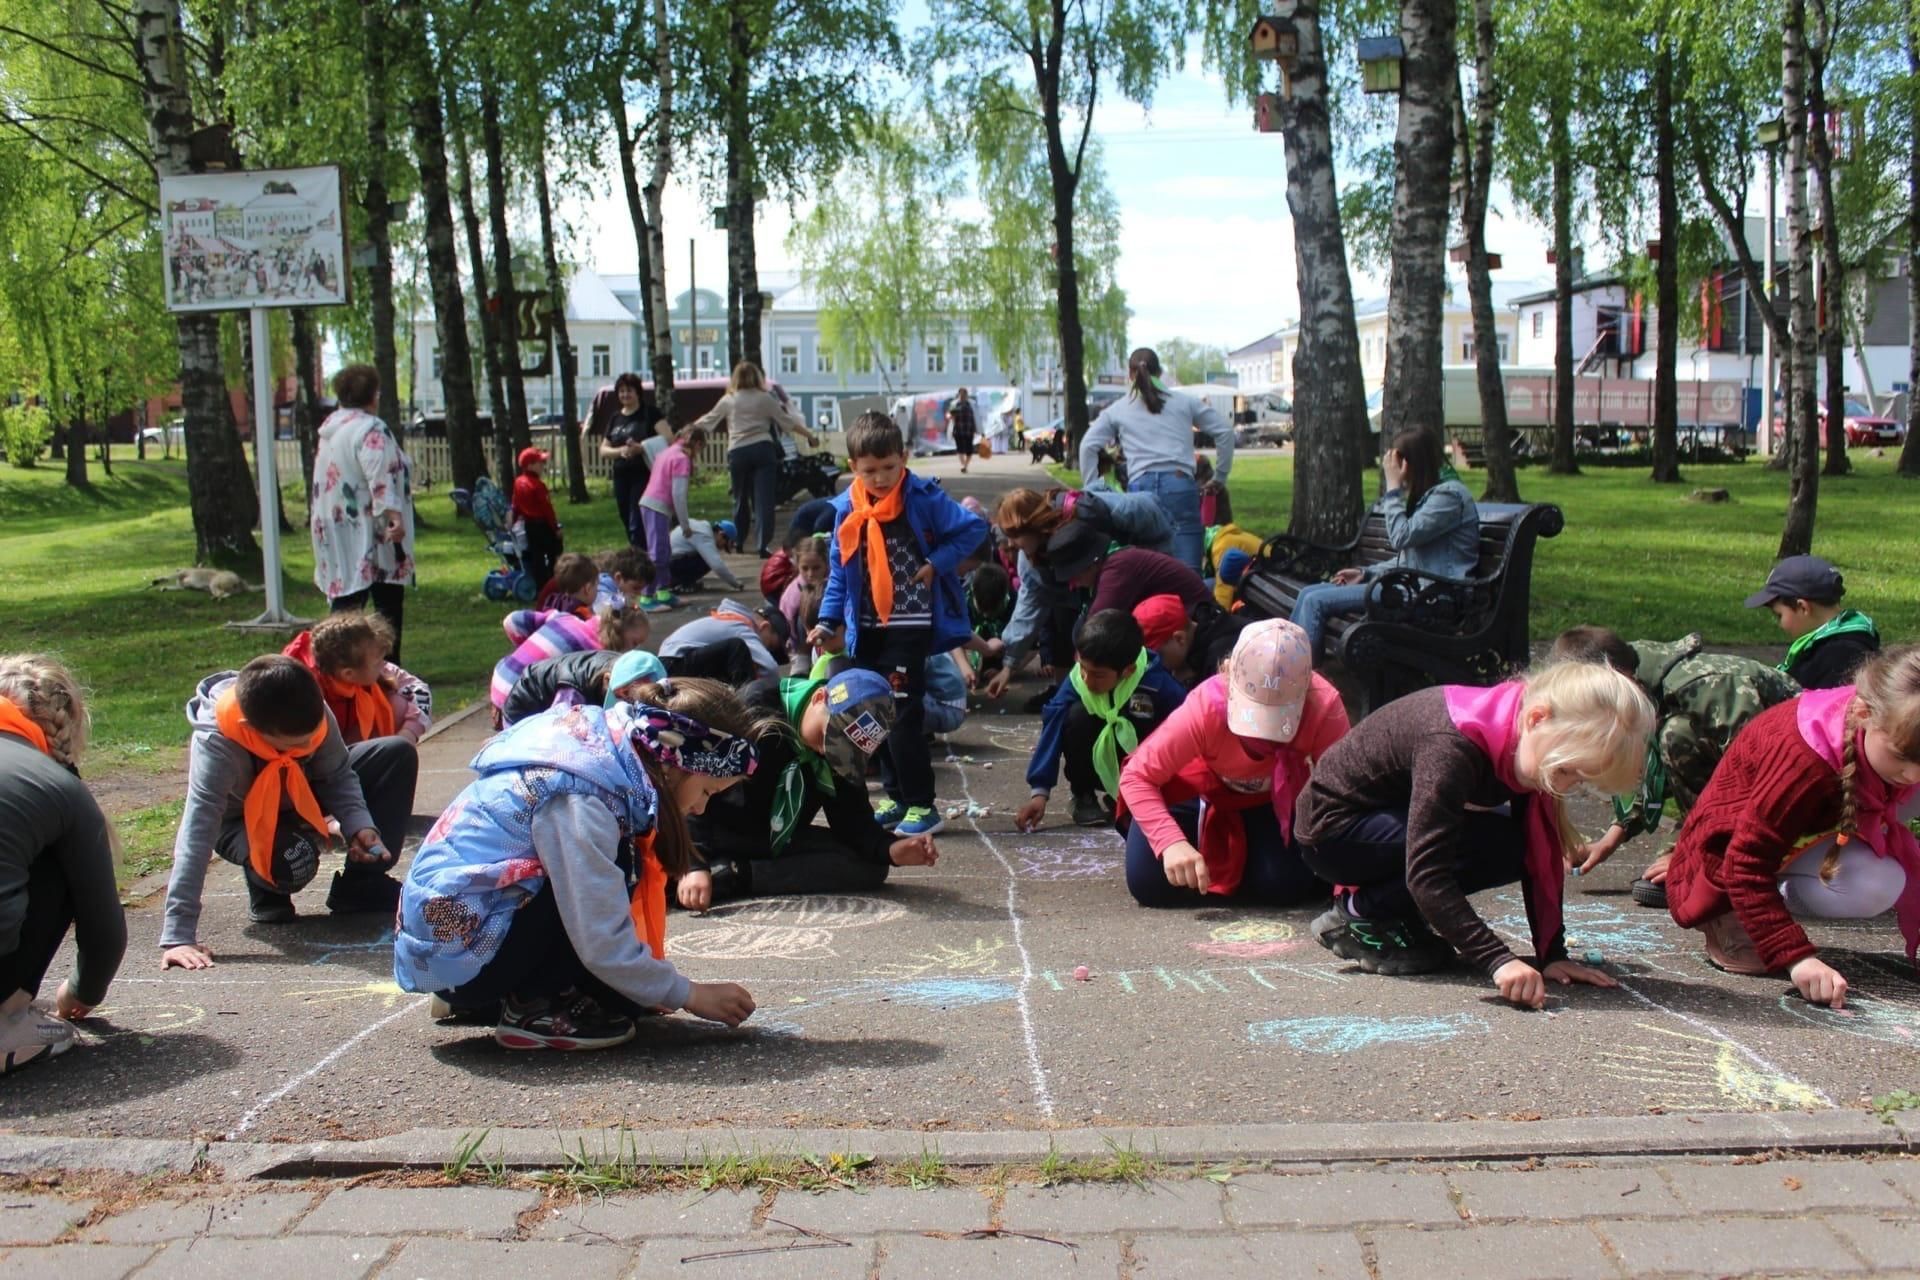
(1833, 1132)
(459, 717)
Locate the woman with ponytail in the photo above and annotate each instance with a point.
(1807, 815)
(538, 900)
(1154, 426)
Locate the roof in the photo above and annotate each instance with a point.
(1585, 284)
(591, 301)
(1374, 48)
(1272, 342)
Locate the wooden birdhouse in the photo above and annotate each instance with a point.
(1266, 113)
(1457, 252)
(1380, 63)
(1771, 132)
(720, 217)
(1493, 261)
(1275, 39)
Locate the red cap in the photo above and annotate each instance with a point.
(1159, 617)
(529, 456)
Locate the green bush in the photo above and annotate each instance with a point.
(24, 432)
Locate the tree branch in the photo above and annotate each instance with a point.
(81, 165)
(71, 56)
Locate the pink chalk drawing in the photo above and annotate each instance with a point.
(1250, 940)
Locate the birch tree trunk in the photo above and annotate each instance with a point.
(377, 205)
(428, 126)
(655, 259)
(482, 294)
(1330, 431)
(1833, 277)
(1423, 170)
(1910, 452)
(636, 209)
(1666, 359)
(506, 313)
(739, 203)
(562, 343)
(1476, 149)
(1561, 141)
(1803, 490)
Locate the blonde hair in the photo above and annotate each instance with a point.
(1597, 725)
(49, 695)
(1886, 695)
(807, 548)
(616, 624)
(746, 377)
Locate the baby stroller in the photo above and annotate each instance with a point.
(492, 512)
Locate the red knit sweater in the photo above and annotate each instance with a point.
(531, 501)
(1769, 792)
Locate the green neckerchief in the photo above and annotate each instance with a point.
(1847, 622)
(790, 788)
(1643, 811)
(1117, 733)
(795, 693)
(818, 672)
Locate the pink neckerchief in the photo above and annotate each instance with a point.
(1822, 717)
(1490, 720)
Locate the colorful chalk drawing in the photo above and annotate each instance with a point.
(152, 1019)
(1250, 940)
(1881, 1018)
(1251, 979)
(984, 956)
(1345, 1034)
(1078, 856)
(1697, 1073)
(921, 993)
(330, 950)
(796, 928)
(385, 992)
(1597, 925)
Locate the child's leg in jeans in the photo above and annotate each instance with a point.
(815, 861)
(1863, 884)
(1371, 855)
(1146, 876)
(535, 960)
(1274, 875)
(906, 766)
(47, 915)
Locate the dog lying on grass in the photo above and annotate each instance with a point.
(218, 583)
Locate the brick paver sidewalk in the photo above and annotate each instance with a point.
(1615, 1218)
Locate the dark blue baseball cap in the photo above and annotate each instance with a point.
(1800, 578)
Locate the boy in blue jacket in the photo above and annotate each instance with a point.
(1115, 695)
(893, 597)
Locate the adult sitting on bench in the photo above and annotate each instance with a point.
(1432, 524)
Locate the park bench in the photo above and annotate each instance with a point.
(1417, 630)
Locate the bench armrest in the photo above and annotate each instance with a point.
(1447, 606)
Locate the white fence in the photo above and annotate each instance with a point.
(433, 458)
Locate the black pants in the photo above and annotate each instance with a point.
(388, 769)
(755, 470)
(728, 661)
(900, 654)
(628, 484)
(543, 549)
(814, 861)
(1274, 874)
(1371, 855)
(388, 599)
(44, 926)
(687, 569)
(535, 960)
(1076, 749)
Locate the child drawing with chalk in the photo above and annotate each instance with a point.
(1207, 802)
(1808, 815)
(1450, 791)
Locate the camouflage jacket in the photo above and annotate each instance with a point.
(1701, 700)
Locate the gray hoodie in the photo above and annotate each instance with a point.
(698, 632)
(219, 773)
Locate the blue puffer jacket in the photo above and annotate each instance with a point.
(948, 534)
(478, 866)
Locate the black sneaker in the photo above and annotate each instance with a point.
(567, 1021)
(355, 894)
(264, 906)
(1649, 894)
(1392, 947)
(1091, 811)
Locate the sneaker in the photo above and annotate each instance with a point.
(890, 814)
(566, 1021)
(659, 603)
(1730, 949)
(921, 821)
(25, 1035)
(363, 893)
(1091, 811)
(264, 906)
(1393, 947)
(1649, 894)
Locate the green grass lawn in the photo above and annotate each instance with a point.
(1640, 558)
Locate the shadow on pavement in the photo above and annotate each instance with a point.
(683, 1049)
(125, 1065)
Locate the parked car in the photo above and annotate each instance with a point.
(1865, 427)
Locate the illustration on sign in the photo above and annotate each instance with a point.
(261, 238)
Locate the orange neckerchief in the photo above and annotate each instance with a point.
(649, 906)
(280, 774)
(14, 720)
(865, 514)
(372, 708)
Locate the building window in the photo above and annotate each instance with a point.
(439, 365)
(936, 359)
(824, 415)
(602, 360)
(823, 361)
(1539, 324)
(1504, 349)
(789, 358)
(703, 359)
(863, 361)
(895, 361)
(969, 359)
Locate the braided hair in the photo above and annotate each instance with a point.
(50, 696)
(1887, 696)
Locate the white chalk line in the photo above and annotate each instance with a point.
(1042, 1091)
(1701, 1024)
(339, 1051)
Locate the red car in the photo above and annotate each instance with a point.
(1866, 427)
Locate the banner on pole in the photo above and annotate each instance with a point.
(254, 238)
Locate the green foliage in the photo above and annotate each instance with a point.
(1189, 362)
(1889, 1105)
(24, 432)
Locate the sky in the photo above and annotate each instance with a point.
(1206, 241)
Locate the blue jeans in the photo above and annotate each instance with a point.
(1139, 521)
(1179, 497)
(1315, 603)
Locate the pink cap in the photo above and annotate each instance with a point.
(1267, 680)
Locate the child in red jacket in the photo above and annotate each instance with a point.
(533, 508)
(1807, 816)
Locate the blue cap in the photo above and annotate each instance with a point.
(727, 527)
(1233, 566)
(634, 664)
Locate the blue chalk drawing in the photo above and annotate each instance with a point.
(1349, 1035)
(921, 993)
(1590, 924)
(1869, 1017)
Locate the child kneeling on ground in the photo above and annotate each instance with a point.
(269, 777)
(760, 838)
(1407, 809)
(369, 697)
(541, 891)
(1807, 816)
(598, 677)
(1113, 698)
(1231, 761)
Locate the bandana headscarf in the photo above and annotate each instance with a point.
(15, 721)
(1822, 717)
(690, 746)
(1117, 733)
(1490, 720)
(867, 514)
(280, 777)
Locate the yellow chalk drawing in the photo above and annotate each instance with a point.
(1701, 1074)
(982, 957)
(152, 1018)
(384, 991)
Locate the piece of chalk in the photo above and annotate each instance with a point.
(1579, 871)
(1596, 957)
(1081, 974)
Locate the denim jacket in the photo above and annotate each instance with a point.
(1439, 536)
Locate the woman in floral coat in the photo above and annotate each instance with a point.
(362, 505)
